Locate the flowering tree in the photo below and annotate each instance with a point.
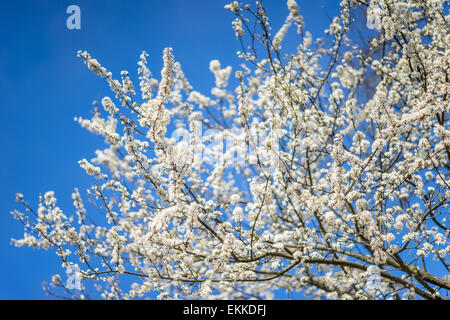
(323, 170)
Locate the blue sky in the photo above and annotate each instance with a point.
(43, 86)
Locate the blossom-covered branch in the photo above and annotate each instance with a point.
(323, 170)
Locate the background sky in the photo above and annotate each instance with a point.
(43, 86)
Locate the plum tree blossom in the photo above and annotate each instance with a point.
(324, 170)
